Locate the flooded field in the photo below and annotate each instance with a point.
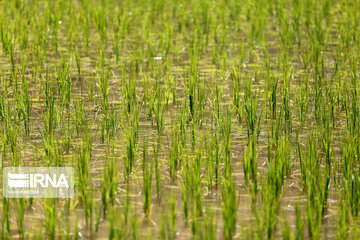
(184, 119)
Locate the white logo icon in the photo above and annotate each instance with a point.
(38, 182)
(18, 180)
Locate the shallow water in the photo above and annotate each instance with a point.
(135, 48)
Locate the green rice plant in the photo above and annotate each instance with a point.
(5, 223)
(173, 215)
(217, 100)
(12, 137)
(201, 101)
(343, 218)
(63, 79)
(168, 220)
(86, 31)
(147, 180)
(273, 98)
(20, 214)
(175, 155)
(83, 163)
(299, 223)
(78, 63)
(26, 101)
(280, 166)
(196, 225)
(317, 185)
(210, 168)
(270, 207)
(251, 109)
(159, 113)
(49, 116)
(236, 95)
(210, 226)
(287, 71)
(314, 218)
(91, 90)
(285, 231)
(354, 195)
(157, 170)
(89, 204)
(304, 99)
(129, 90)
(3, 101)
(230, 203)
(226, 128)
(250, 163)
(50, 218)
(301, 160)
(110, 183)
(115, 228)
(77, 234)
(79, 116)
(215, 153)
(134, 230)
(99, 17)
(185, 201)
(112, 225)
(173, 87)
(5, 36)
(192, 181)
(104, 76)
(129, 160)
(182, 122)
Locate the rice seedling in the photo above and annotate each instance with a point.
(250, 164)
(110, 182)
(251, 109)
(175, 155)
(84, 166)
(159, 114)
(26, 101)
(50, 220)
(230, 205)
(147, 180)
(168, 220)
(286, 231)
(300, 223)
(5, 223)
(21, 205)
(343, 218)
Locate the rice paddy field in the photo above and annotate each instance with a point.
(183, 119)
